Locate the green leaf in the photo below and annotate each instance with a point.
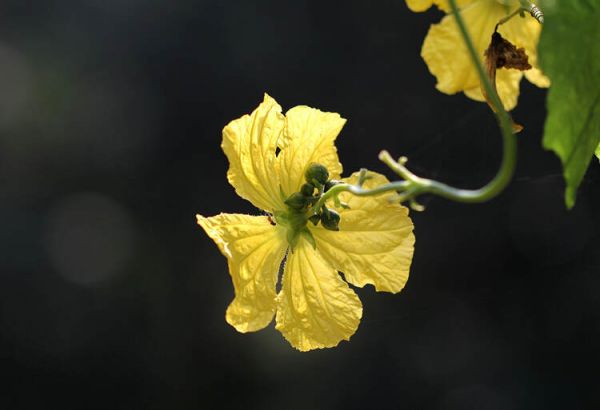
(569, 53)
(598, 151)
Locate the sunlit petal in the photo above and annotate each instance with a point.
(316, 308)
(422, 5)
(254, 250)
(507, 83)
(250, 143)
(525, 32)
(444, 50)
(309, 137)
(419, 5)
(375, 242)
(448, 60)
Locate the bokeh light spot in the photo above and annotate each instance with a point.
(89, 238)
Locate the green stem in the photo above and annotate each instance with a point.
(510, 16)
(413, 186)
(359, 191)
(533, 10)
(507, 166)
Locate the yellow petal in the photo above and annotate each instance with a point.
(316, 308)
(525, 32)
(254, 250)
(448, 60)
(250, 143)
(422, 5)
(375, 242)
(536, 77)
(445, 5)
(419, 5)
(309, 136)
(507, 83)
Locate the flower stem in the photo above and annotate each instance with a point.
(412, 186)
(507, 167)
(510, 16)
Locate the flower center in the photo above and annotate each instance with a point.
(300, 207)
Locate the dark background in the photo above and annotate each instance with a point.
(112, 298)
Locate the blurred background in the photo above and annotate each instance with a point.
(111, 297)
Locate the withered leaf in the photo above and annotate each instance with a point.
(501, 53)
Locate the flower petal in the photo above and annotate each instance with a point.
(526, 33)
(448, 60)
(419, 5)
(254, 250)
(507, 84)
(250, 143)
(375, 242)
(309, 136)
(422, 5)
(316, 308)
(537, 77)
(445, 6)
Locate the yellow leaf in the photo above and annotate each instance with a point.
(375, 242)
(316, 308)
(254, 250)
(309, 137)
(249, 144)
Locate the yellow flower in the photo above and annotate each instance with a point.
(447, 57)
(269, 154)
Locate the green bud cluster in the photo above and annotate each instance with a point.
(300, 201)
(330, 219)
(300, 206)
(317, 177)
(296, 201)
(316, 174)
